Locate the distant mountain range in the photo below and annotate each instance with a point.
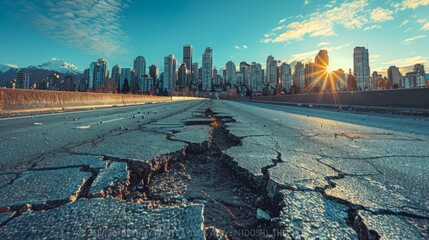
(8, 72)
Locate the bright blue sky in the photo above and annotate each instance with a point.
(81, 31)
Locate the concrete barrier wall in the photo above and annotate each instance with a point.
(404, 98)
(179, 98)
(18, 100)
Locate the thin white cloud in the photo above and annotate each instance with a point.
(348, 15)
(241, 47)
(279, 28)
(303, 57)
(411, 40)
(425, 27)
(410, 4)
(267, 40)
(409, 61)
(321, 44)
(93, 26)
(310, 55)
(372, 27)
(12, 65)
(403, 23)
(282, 21)
(381, 15)
(373, 58)
(306, 2)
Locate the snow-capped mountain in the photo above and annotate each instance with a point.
(58, 65)
(6, 67)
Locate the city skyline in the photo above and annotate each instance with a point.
(291, 32)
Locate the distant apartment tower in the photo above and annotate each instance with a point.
(339, 78)
(139, 71)
(299, 75)
(195, 75)
(116, 76)
(321, 64)
(153, 73)
(83, 83)
(286, 76)
(361, 67)
(230, 74)
(23, 79)
(98, 72)
(246, 71)
(271, 71)
(187, 56)
(311, 75)
(182, 77)
(127, 74)
(394, 76)
(169, 73)
(377, 78)
(256, 77)
(207, 69)
(69, 84)
(415, 79)
(322, 61)
(54, 82)
(419, 69)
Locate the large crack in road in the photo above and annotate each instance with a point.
(238, 204)
(199, 174)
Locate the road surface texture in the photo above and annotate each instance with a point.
(216, 170)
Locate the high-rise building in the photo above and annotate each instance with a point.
(415, 79)
(169, 73)
(420, 70)
(322, 61)
(231, 73)
(149, 83)
(116, 75)
(240, 79)
(246, 71)
(139, 72)
(394, 76)
(98, 73)
(320, 71)
(153, 73)
(311, 74)
(23, 79)
(187, 56)
(54, 82)
(299, 75)
(207, 69)
(83, 83)
(377, 81)
(195, 74)
(69, 84)
(271, 71)
(127, 74)
(361, 67)
(182, 77)
(286, 76)
(339, 79)
(256, 77)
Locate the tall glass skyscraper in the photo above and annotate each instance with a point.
(361, 67)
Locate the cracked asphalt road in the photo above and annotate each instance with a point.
(316, 173)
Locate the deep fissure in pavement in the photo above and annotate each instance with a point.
(199, 174)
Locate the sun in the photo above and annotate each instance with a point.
(329, 69)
